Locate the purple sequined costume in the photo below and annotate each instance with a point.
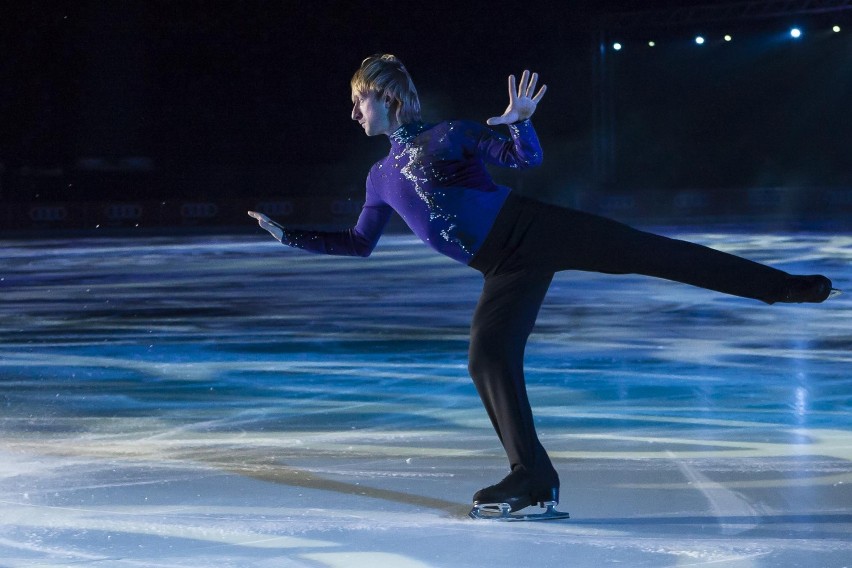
(435, 178)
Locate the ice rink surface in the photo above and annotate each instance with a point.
(224, 401)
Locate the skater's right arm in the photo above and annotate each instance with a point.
(360, 240)
(523, 149)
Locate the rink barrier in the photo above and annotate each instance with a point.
(48, 213)
(774, 205)
(189, 213)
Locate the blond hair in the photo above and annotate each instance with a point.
(383, 75)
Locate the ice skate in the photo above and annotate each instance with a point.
(503, 512)
(810, 289)
(515, 492)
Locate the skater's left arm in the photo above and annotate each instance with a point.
(523, 149)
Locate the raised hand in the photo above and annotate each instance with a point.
(522, 102)
(266, 223)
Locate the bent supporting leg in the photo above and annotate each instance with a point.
(501, 325)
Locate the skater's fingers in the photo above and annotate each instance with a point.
(513, 89)
(524, 82)
(528, 92)
(259, 216)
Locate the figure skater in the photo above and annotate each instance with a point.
(435, 178)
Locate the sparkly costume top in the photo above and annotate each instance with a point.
(435, 178)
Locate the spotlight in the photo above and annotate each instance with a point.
(835, 29)
(728, 37)
(652, 43)
(616, 46)
(795, 33)
(699, 40)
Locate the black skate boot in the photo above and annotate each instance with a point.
(812, 289)
(516, 491)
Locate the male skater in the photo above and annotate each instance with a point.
(435, 178)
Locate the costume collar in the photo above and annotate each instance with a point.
(406, 133)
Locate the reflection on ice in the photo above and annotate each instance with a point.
(224, 401)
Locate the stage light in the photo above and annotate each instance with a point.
(795, 33)
(652, 43)
(835, 29)
(616, 46)
(699, 40)
(728, 37)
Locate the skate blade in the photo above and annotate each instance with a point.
(503, 512)
(834, 293)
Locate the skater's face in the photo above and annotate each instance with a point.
(372, 113)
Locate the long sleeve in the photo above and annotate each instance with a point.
(360, 240)
(522, 150)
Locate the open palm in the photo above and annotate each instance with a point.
(522, 101)
(266, 223)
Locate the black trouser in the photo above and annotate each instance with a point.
(529, 242)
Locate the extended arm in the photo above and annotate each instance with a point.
(357, 241)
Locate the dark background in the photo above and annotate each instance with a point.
(232, 103)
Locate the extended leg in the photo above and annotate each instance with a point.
(557, 239)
